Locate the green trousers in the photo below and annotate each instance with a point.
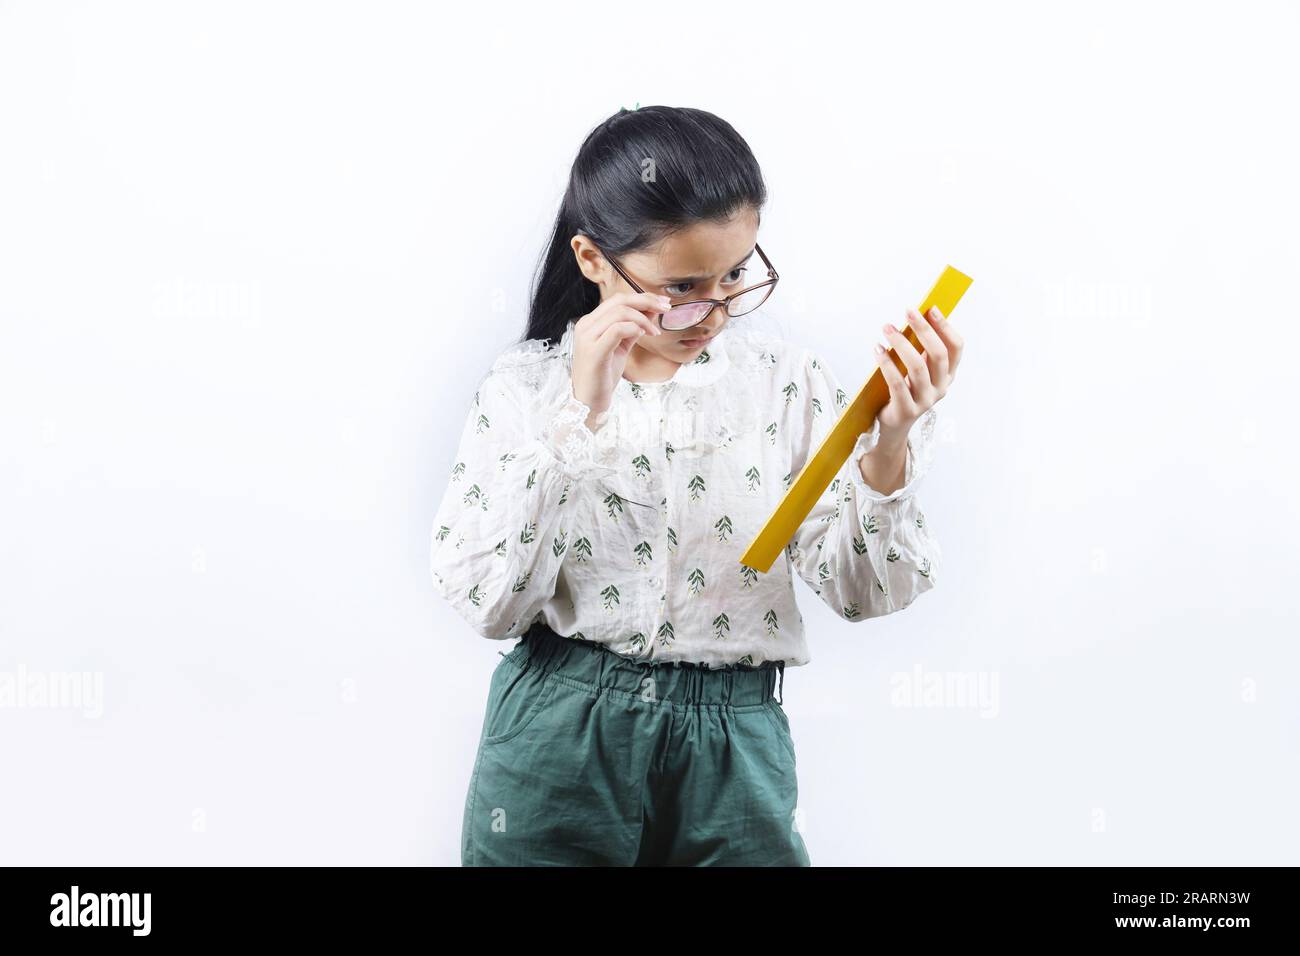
(590, 758)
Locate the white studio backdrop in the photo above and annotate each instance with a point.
(254, 258)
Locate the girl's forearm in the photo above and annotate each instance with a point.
(884, 467)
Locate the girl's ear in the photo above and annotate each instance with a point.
(590, 262)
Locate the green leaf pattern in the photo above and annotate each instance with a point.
(862, 557)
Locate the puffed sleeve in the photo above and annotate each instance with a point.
(499, 535)
(864, 553)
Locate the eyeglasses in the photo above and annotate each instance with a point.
(684, 315)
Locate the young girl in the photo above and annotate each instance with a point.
(613, 467)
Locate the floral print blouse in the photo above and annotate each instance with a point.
(631, 534)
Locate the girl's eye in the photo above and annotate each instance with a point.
(738, 272)
(683, 288)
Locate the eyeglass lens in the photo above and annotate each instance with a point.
(691, 313)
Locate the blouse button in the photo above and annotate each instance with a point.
(656, 582)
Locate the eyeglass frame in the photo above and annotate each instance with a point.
(771, 280)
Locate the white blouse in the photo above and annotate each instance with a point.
(631, 535)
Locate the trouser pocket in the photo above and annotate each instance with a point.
(781, 724)
(516, 696)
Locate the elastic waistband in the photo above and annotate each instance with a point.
(596, 667)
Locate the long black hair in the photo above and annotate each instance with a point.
(703, 170)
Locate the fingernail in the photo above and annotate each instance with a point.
(666, 303)
(879, 350)
(935, 313)
(889, 328)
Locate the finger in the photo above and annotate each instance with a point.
(951, 337)
(619, 331)
(935, 352)
(918, 372)
(617, 309)
(645, 325)
(648, 323)
(648, 302)
(613, 307)
(899, 391)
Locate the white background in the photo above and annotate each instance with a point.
(254, 257)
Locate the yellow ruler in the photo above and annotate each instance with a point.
(839, 443)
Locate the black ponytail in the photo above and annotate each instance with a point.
(702, 171)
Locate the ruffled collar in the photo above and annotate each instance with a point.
(700, 408)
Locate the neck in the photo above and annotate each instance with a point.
(645, 366)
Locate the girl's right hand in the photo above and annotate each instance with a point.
(603, 339)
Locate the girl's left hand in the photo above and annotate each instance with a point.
(928, 376)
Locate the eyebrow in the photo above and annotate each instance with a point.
(673, 280)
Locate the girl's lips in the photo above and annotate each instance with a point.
(693, 343)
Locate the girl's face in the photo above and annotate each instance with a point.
(706, 260)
